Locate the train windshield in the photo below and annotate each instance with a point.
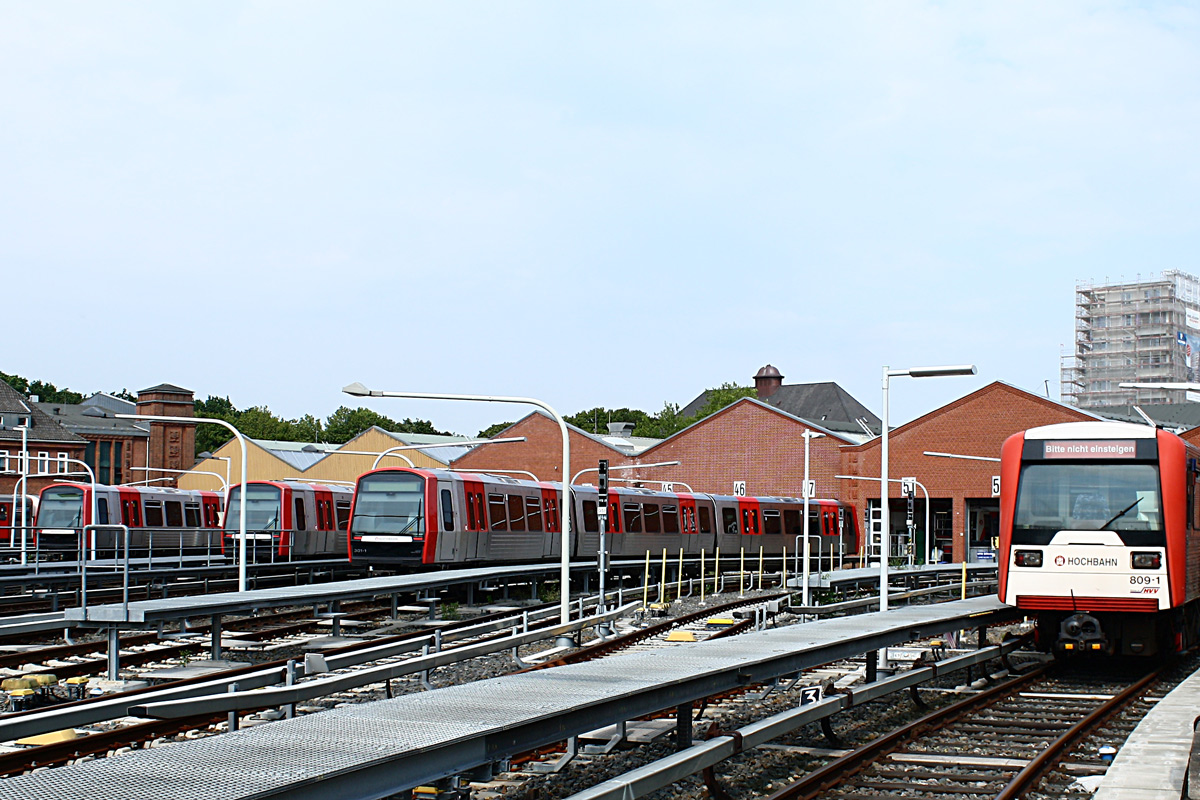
(1089, 497)
(389, 502)
(61, 507)
(262, 508)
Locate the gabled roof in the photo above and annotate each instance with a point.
(967, 398)
(842, 437)
(826, 404)
(631, 446)
(41, 427)
(110, 403)
(1168, 415)
(96, 420)
(446, 452)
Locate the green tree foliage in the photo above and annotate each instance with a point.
(722, 396)
(259, 423)
(666, 422)
(492, 430)
(344, 424)
(45, 392)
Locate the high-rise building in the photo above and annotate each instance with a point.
(1143, 331)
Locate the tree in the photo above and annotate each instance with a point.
(43, 391)
(344, 424)
(722, 396)
(492, 430)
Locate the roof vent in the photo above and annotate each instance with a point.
(622, 429)
(767, 381)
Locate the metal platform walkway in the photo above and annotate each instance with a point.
(147, 613)
(375, 749)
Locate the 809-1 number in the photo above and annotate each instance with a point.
(1142, 579)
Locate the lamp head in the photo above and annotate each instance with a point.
(938, 372)
(357, 390)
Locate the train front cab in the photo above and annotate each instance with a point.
(1095, 522)
(392, 516)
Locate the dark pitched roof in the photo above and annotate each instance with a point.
(166, 388)
(826, 404)
(41, 427)
(90, 419)
(1168, 415)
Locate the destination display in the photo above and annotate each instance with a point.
(1083, 448)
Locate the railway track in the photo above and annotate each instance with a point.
(997, 744)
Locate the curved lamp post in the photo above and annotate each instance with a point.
(358, 390)
(241, 501)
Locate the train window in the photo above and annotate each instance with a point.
(670, 519)
(772, 521)
(298, 521)
(471, 526)
(3, 513)
(633, 518)
(154, 514)
(591, 522)
(102, 510)
(551, 514)
(533, 514)
(191, 515)
(447, 511)
(342, 507)
(705, 520)
(496, 512)
(174, 513)
(791, 522)
(651, 511)
(516, 512)
(729, 520)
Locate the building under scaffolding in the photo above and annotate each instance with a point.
(1145, 331)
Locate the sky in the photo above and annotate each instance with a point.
(609, 204)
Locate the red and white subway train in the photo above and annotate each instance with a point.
(160, 520)
(1100, 536)
(424, 517)
(289, 519)
(10, 515)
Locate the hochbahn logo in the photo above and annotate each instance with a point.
(1084, 561)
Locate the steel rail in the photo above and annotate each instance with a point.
(1029, 777)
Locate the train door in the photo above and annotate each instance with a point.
(470, 538)
(688, 526)
(552, 522)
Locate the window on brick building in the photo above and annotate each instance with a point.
(4, 461)
(62, 463)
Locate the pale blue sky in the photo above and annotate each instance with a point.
(609, 204)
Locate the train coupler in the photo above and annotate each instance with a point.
(1082, 633)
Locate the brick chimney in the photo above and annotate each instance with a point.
(172, 444)
(767, 382)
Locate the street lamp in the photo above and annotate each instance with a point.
(227, 459)
(885, 532)
(242, 500)
(358, 390)
(808, 437)
(224, 482)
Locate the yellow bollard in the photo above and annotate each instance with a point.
(646, 583)
(783, 570)
(742, 574)
(662, 579)
(703, 580)
(679, 577)
(760, 567)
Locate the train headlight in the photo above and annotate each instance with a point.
(1028, 558)
(1147, 560)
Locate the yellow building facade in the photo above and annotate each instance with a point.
(320, 463)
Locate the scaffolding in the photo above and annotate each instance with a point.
(1141, 331)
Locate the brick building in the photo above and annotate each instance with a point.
(964, 513)
(116, 448)
(48, 443)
